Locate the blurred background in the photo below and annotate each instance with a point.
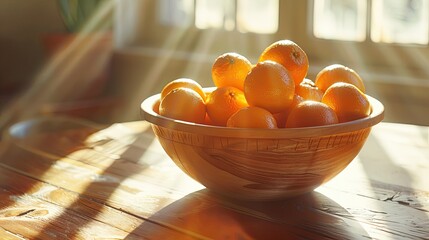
(98, 59)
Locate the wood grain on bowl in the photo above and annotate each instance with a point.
(261, 169)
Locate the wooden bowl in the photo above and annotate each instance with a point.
(260, 164)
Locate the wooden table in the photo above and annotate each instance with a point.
(116, 182)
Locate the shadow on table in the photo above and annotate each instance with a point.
(400, 199)
(63, 140)
(204, 215)
(23, 141)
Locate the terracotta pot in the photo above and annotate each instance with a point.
(78, 65)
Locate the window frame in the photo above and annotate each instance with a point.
(295, 23)
(385, 58)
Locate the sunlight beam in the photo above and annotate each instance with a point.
(57, 80)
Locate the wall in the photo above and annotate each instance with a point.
(22, 26)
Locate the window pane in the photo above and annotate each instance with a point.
(340, 19)
(259, 16)
(214, 14)
(176, 12)
(400, 21)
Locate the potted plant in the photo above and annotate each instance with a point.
(82, 18)
(76, 13)
(80, 57)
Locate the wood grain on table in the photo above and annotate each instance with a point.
(116, 182)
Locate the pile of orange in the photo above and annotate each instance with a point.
(273, 93)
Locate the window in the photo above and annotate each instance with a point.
(399, 21)
(340, 19)
(257, 16)
(214, 14)
(176, 12)
(385, 40)
(368, 35)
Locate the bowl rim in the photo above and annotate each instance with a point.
(148, 114)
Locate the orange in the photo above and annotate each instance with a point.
(348, 102)
(183, 82)
(156, 106)
(308, 90)
(183, 104)
(338, 73)
(207, 120)
(290, 55)
(252, 117)
(269, 85)
(311, 113)
(223, 102)
(281, 117)
(230, 69)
